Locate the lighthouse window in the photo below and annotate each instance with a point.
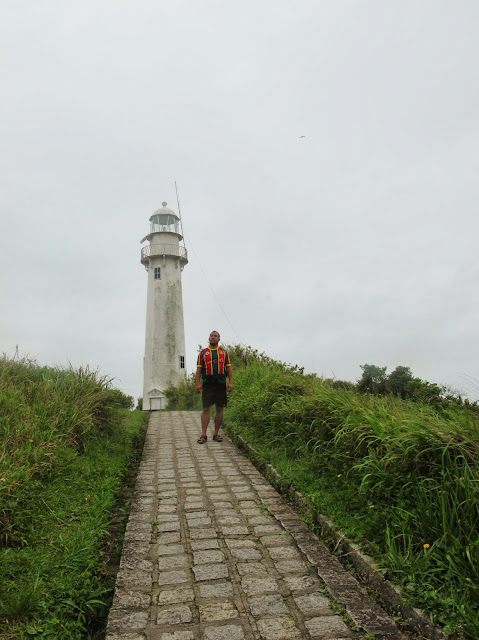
(182, 362)
(157, 273)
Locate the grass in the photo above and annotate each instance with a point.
(400, 478)
(67, 440)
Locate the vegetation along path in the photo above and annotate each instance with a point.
(212, 552)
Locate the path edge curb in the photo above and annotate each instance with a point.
(391, 595)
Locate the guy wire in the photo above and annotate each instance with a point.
(203, 271)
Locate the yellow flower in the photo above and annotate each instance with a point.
(339, 475)
(371, 506)
(426, 546)
(461, 478)
(30, 440)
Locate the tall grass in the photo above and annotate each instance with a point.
(66, 442)
(399, 477)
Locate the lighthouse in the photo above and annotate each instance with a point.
(164, 260)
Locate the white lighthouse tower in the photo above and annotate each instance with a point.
(164, 259)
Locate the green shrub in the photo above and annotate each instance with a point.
(66, 441)
(400, 477)
(183, 396)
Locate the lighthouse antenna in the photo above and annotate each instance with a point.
(179, 213)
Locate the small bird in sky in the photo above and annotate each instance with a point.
(302, 136)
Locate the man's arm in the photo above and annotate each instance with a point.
(229, 371)
(199, 367)
(199, 386)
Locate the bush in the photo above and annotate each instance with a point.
(400, 477)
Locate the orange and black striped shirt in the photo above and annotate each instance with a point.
(213, 362)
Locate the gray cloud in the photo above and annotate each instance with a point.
(354, 244)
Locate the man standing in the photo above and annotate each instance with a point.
(211, 371)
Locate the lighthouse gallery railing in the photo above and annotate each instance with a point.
(164, 250)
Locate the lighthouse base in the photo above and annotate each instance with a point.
(155, 400)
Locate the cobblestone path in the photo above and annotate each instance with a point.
(212, 552)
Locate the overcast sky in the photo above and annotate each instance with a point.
(354, 244)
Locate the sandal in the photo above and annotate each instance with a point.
(202, 439)
(218, 438)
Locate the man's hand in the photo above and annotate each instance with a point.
(199, 387)
(229, 387)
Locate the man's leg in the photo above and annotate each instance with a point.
(205, 420)
(218, 419)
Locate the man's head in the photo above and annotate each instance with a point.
(214, 338)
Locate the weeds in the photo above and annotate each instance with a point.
(400, 477)
(66, 439)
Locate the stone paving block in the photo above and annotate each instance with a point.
(198, 545)
(133, 563)
(275, 540)
(266, 529)
(168, 517)
(138, 526)
(172, 577)
(240, 543)
(328, 627)
(373, 620)
(218, 590)
(124, 636)
(128, 599)
(174, 596)
(225, 632)
(199, 534)
(300, 583)
(279, 628)
(213, 612)
(175, 615)
(199, 522)
(223, 504)
(196, 514)
(247, 504)
(165, 563)
(167, 508)
(242, 494)
(284, 553)
(192, 634)
(248, 568)
(127, 620)
(169, 549)
(128, 579)
(256, 511)
(291, 566)
(261, 520)
(208, 557)
(258, 585)
(168, 526)
(211, 571)
(169, 538)
(216, 491)
(353, 595)
(225, 512)
(227, 520)
(194, 504)
(166, 487)
(246, 554)
(313, 604)
(235, 531)
(140, 536)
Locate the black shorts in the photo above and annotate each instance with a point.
(214, 393)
